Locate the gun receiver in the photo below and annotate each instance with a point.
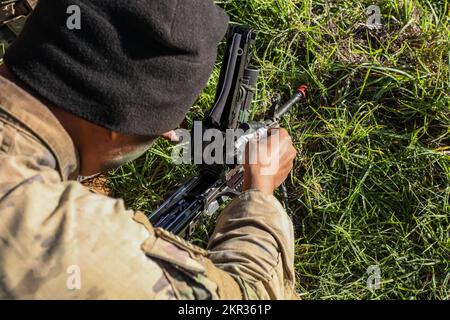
(237, 81)
(204, 193)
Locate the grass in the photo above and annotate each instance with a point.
(371, 185)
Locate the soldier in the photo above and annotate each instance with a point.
(77, 102)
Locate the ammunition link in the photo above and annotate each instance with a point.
(13, 14)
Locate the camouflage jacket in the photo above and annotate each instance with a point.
(13, 15)
(60, 241)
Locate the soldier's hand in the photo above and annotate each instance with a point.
(268, 161)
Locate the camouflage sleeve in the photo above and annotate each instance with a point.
(254, 242)
(58, 240)
(86, 246)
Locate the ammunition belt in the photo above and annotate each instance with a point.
(13, 14)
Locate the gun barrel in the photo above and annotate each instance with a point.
(300, 95)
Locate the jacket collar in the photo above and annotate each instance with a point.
(41, 122)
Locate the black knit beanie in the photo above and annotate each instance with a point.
(135, 66)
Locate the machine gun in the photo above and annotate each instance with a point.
(204, 193)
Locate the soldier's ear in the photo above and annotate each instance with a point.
(120, 139)
(171, 136)
(114, 136)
